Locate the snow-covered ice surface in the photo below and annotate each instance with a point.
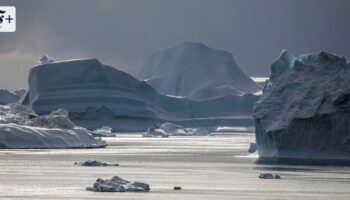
(196, 71)
(20, 127)
(304, 111)
(99, 95)
(7, 97)
(209, 168)
(259, 80)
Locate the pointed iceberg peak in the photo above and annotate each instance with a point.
(284, 62)
(45, 59)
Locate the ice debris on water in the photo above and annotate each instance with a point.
(269, 176)
(252, 147)
(169, 129)
(94, 163)
(105, 131)
(117, 184)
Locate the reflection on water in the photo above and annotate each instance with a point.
(303, 162)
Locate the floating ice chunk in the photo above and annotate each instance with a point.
(20, 127)
(117, 184)
(19, 136)
(94, 163)
(252, 147)
(105, 131)
(155, 132)
(173, 129)
(169, 129)
(201, 131)
(45, 59)
(269, 176)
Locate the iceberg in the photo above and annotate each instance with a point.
(304, 109)
(7, 97)
(98, 95)
(20, 127)
(196, 71)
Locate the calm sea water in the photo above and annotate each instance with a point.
(211, 167)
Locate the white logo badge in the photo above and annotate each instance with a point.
(7, 19)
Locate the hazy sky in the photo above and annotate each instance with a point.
(123, 33)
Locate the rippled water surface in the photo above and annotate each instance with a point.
(211, 167)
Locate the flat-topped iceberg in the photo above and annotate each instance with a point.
(196, 71)
(304, 111)
(98, 95)
(20, 127)
(172, 71)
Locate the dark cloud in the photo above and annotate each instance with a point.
(124, 32)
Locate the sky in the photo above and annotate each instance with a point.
(123, 33)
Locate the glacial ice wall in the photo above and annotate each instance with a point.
(99, 95)
(196, 71)
(304, 111)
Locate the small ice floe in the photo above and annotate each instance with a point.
(177, 188)
(94, 163)
(105, 131)
(117, 184)
(169, 129)
(155, 132)
(252, 147)
(45, 59)
(269, 176)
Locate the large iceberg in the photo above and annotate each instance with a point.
(304, 111)
(20, 127)
(98, 95)
(7, 97)
(196, 71)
